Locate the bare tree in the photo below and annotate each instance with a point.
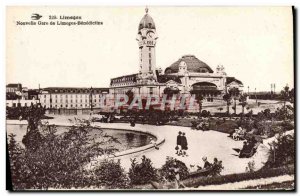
(234, 92)
(227, 99)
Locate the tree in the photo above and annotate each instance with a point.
(284, 94)
(60, 160)
(227, 99)
(166, 170)
(130, 96)
(33, 137)
(142, 173)
(283, 150)
(243, 101)
(199, 99)
(234, 92)
(111, 175)
(16, 158)
(292, 96)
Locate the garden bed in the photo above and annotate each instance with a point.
(231, 178)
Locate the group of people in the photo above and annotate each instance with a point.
(181, 144)
(249, 148)
(210, 169)
(203, 125)
(207, 164)
(238, 134)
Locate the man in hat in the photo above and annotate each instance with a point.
(178, 144)
(184, 144)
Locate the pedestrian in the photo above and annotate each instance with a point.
(178, 144)
(207, 164)
(132, 123)
(184, 145)
(154, 143)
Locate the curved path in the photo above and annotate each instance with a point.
(209, 143)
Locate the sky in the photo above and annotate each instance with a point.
(254, 44)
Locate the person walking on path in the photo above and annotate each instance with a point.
(178, 147)
(184, 144)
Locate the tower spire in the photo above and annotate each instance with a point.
(146, 38)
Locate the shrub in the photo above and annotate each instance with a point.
(58, 161)
(287, 126)
(250, 113)
(15, 152)
(166, 170)
(111, 175)
(25, 112)
(221, 114)
(251, 167)
(205, 113)
(231, 178)
(282, 151)
(284, 113)
(142, 173)
(217, 168)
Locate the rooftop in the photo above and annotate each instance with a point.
(193, 65)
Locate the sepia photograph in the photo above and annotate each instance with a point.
(150, 98)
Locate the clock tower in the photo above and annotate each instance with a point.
(146, 39)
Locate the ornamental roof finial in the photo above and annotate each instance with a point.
(146, 10)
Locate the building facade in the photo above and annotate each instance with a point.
(13, 88)
(21, 102)
(188, 75)
(72, 98)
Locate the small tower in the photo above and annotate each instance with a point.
(146, 39)
(182, 68)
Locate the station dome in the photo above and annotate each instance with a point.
(147, 21)
(193, 64)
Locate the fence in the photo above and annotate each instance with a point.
(64, 111)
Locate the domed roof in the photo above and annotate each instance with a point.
(147, 21)
(193, 65)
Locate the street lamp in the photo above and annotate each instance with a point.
(255, 95)
(91, 98)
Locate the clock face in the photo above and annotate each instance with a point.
(150, 34)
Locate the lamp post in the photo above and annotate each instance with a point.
(39, 94)
(271, 88)
(255, 95)
(91, 98)
(103, 100)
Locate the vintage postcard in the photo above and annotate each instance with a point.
(150, 98)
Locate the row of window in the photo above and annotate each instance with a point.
(210, 99)
(124, 84)
(18, 104)
(75, 90)
(123, 79)
(67, 106)
(70, 96)
(71, 101)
